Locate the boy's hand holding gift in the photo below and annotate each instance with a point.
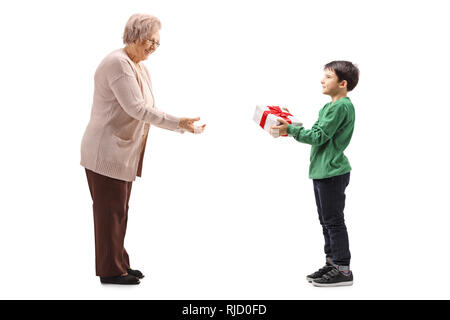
(280, 130)
(268, 118)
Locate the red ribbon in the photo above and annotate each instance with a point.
(275, 110)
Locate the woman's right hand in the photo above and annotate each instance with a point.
(188, 125)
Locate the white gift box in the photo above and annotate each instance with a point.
(266, 118)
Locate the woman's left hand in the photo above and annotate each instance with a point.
(188, 125)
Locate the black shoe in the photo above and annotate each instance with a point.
(334, 278)
(128, 279)
(319, 273)
(135, 273)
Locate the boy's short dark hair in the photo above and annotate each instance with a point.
(345, 70)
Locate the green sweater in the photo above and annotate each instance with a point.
(329, 137)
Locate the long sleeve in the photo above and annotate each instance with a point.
(129, 96)
(179, 130)
(324, 128)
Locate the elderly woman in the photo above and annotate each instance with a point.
(113, 145)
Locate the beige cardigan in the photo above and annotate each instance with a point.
(123, 109)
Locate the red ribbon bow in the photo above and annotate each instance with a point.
(275, 110)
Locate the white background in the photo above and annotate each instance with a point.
(229, 214)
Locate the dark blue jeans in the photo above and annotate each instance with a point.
(330, 200)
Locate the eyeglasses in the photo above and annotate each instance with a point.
(156, 44)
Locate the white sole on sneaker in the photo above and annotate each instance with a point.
(338, 284)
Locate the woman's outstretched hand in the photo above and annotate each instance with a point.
(188, 125)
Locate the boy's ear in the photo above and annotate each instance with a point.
(343, 84)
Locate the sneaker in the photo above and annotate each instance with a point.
(334, 278)
(319, 273)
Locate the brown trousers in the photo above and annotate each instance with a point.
(110, 205)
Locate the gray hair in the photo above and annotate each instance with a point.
(139, 27)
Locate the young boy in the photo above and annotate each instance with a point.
(330, 169)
